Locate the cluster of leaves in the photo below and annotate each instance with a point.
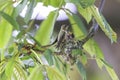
(21, 60)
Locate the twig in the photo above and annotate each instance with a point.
(101, 5)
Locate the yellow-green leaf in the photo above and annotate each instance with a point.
(86, 3)
(9, 68)
(57, 3)
(112, 73)
(45, 30)
(2, 66)
(19, 72)
(5, 33)
(83, 59)
(93, 49)
(99, 63)
(110, 70)
(83, 3)
(36, 74)
(77, 25)
(103, 24)
(54, 74)
(85, 12)
(5, 4)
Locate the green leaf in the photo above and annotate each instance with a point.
(57, 62)
(86, 3)
(36, 74)
(9, 68)
(5, 3)
(10, 20)
(112, 73)
(103, 24)
(49, 57)
(83, 58)
(54, 74)
(18, 9)
(61, 65)
(93, 49)
(5, 33)
(3, 77)
(36, 56)
(81, 69)
(57, 3)
(78, 26)
(46, 2)
(19, 72)
(99, 63)
(83, 3)
(85, 12)
(77, 52)
(110, 70)
(2, 66)
(44, 33)
(29, 11)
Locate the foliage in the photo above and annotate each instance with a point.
(29, 56)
